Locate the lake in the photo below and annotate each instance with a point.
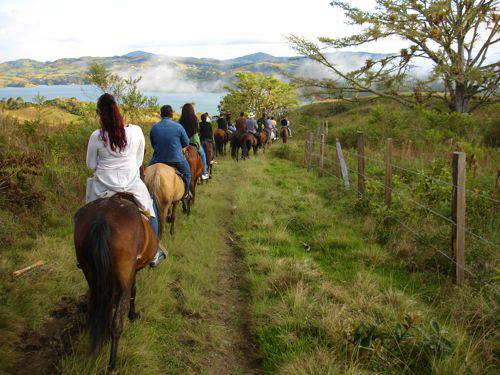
(204, 101)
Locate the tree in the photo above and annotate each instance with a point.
(259, 93)
(39, 101)
(98, 75)
(454, 35)
(125, 90)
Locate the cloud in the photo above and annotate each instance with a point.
(162, 76)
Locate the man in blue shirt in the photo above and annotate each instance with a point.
(168, 138)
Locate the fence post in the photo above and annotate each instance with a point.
(361, 164)
(343, 166)
(321, 154)
(306, 148)
(388, 173)
(310, 150)
(458, 217)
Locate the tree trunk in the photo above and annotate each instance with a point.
(459, 99)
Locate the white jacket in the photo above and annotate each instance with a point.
(118, 172)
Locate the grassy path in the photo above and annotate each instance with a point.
(194, 307)
(270, 274)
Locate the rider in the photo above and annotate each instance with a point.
(253, 128)
(268, 125)
(190, 123)
(115, 152)
(286, 124)
(168, 138)
(222, 123)
(229, 120)
(206, 131)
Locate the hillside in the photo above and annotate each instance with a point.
(27, 72)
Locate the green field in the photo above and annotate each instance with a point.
(276, 270)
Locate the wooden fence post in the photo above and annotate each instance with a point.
(361, 164)
(458, 217)
(343, 166)
(388, 172)
(321, 154)
(306, 148)
(310, 150)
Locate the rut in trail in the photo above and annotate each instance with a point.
(240, 354)
(42, 350)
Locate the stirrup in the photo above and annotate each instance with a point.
(159, 257)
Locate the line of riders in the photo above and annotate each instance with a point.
(118, 231)
(116, 151)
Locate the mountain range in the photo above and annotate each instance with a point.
(212, 72)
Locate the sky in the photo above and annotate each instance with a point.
(51, 29)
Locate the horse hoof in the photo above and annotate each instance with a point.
(134, 317)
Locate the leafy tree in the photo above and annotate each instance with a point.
(454, 35)
(99, 76)
(259, 93)
(40, 106)
(125, 90)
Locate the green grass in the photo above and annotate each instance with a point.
(325, 295)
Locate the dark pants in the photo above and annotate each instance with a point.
(183, 167)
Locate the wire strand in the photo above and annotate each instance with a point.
(428, 209)
(349, 152)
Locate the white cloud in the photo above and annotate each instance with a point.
(50, 29)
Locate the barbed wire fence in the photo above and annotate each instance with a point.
(314, 157)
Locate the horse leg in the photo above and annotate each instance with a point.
(118, 326)
(172, 218)
(132, 314)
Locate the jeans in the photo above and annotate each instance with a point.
(153, 221)
(204, 158)
(268, 133)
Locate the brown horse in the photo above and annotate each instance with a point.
(248, 142)
(113, 241)
(263, 140)
(196, 166)
(167, 188)
(284, 135)
(221, 139)
(209, 153)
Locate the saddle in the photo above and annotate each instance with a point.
(130, 197)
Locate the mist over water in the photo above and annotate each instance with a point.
(204, 101)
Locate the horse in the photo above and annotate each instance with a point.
(167, 188)
(249, 141)
(209, 152)
(284, 134)
(113, 241)
(263, 141)
(221, 139)
(196, 167)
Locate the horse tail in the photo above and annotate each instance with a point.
(154, 185)
(98, 257)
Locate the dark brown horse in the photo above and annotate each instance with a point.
(221, 139)
(284, 134)
(209, 153)
(196, 166)
(248, 142)
(113, 241)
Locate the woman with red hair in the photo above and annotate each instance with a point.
(115, 152)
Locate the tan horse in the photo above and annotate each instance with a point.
(167, 188)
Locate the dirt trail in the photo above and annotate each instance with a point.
(43, 349)
(240, 355)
